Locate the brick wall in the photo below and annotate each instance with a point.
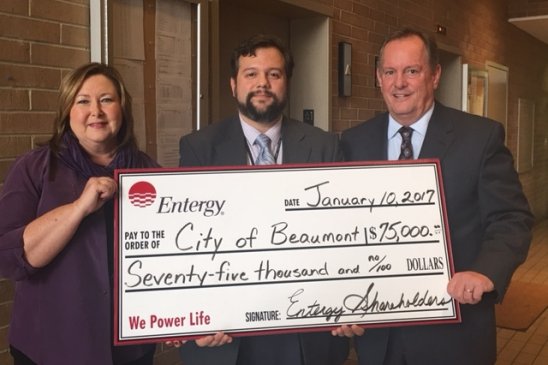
(482, 34)
(39, 39)
(6, 297)
(42, 39)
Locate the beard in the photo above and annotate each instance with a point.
(271, 113)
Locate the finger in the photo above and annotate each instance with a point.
(357, 330)
(471, 296)
(224, 339)
(217, 342)
(477, 295)
(204, 341)
(344, 331)
(106, 188)
(214, 340)
(348, 331)
(468, 295)
(454, 289)
(175, 343)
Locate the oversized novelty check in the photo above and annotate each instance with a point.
(280, 249)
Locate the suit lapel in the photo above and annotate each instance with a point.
(376, 143)
(231, 148)
(295, 148)
(368, 141)
(439, 135)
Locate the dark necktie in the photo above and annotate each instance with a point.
(265, 155)
(406, 145)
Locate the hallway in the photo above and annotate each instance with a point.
(529, 347)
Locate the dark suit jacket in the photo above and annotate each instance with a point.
(489, 222)
(224, 144)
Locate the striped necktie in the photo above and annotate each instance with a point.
(265, 154)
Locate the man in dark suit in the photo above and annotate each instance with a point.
(261, 69)
(488, 214)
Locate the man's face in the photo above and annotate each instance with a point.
(260, 87)
(406, 79)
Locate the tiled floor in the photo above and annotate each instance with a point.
(529, 347)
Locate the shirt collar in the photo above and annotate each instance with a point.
(274, 133)
(420, 126)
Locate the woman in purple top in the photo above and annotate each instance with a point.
(56, 227)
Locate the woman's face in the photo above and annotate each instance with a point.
(96, 115)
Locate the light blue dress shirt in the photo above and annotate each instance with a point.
(419, 131)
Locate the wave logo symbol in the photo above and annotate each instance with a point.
(142, 194)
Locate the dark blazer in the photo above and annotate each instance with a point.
(489, 222)
(224, 144)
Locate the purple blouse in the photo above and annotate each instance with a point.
(62, 313)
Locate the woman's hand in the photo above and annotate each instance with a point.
(97, 191)
(48, 234)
